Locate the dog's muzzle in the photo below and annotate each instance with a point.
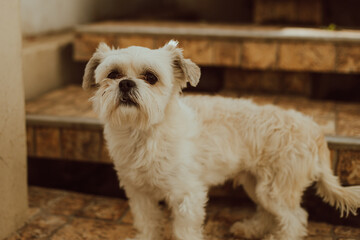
(126, 87)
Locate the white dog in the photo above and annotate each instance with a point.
(173, 148)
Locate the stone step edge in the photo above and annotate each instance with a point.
(334, 142)
(63, 121)
(222, 31)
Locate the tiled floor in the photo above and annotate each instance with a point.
(62, 215)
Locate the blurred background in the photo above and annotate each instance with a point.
(54, 166)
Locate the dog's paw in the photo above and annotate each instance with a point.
(269, 237)
(237, 229)
(242, 229)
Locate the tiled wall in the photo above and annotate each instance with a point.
(66, 143)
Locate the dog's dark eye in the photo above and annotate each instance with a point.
(114, 75)
(150, 78)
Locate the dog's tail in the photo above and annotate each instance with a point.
(346, 199)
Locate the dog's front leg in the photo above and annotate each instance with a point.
(188, 210)
(147, 215)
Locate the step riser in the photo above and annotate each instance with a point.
(289, 11)
(81, 144)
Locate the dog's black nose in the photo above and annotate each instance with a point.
(126, 85)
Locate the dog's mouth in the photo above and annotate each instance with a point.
(126, 100)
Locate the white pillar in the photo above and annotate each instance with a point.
(13, 174)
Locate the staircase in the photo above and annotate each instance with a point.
(285, 64)
(65, 115)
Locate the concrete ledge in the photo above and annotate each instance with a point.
(219, 31)
(340, 142)
(33, 120)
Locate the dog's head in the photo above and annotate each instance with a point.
(135, 85)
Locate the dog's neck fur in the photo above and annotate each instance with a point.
(132, 139)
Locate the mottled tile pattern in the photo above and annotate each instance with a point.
(69, 204)
(47, 142)
(307, 56)
(259, 55)
(87, 217)
(92, 229)
(349, 167)
(348, 58)
(81, 144)
(41, 197)
(348, 119)
(41, 227)
(226, 53)
(199, 51)
(127, 41)
(347, 232)
(290, 11)
(69, 101)
(104, 208)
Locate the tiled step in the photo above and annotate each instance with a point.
(61, 125)
(248, 47)
(58, 215)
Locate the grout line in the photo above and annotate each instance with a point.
(62, 154)
(277, 55)
(335, 161)
(27, 222)
(336, 60)
(336, 118)
(119, 221)
(68, 221)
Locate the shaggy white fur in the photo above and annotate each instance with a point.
(173, 148)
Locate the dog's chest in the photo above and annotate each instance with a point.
(143, 162)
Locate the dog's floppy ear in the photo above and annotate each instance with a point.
(89, 75)
(184, 69)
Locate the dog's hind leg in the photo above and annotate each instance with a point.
(289, 218)
(255, 227)
(262, 221)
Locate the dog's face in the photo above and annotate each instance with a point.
(135, 85)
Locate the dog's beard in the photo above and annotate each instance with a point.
(140, 108)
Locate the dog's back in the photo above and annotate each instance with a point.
(282, 140)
